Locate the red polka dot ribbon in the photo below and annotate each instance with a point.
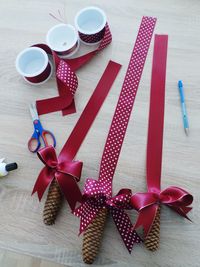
(63, 168)
(174, 197)
(98, 194)
(66, 78)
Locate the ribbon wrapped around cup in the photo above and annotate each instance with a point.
(66, 79)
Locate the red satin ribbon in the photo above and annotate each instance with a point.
(66, 79)
(41, 77)
(64, 168)
(67, 174)
(101, 190)
(174, 197)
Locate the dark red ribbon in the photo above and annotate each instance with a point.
(98, 193)
(42, 76)
(174, 197)
(92, 38)
(94, 199)
(147, 204)
(67, 171)
(66, 78)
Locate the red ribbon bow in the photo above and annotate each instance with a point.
(67, 173)
(95, 198)
(147, 204)
(174, 197)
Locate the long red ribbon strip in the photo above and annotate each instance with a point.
(174, 197)
(64, 168)
(98, 194)
(156, 114)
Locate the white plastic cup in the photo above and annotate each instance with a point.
(90, 23)
(63, 39)
(34, 65)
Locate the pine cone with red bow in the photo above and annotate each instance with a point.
(53, 203)
(92, 237)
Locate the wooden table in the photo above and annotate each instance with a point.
(25, 22)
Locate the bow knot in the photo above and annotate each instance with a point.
(66, 172)
(95, 198)
(147, 204)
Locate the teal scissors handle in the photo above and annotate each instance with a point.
(46, 136)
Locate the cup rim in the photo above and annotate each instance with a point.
(37, 72)
(58, 26)
(88, 31)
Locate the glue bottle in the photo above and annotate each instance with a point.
(6, 168)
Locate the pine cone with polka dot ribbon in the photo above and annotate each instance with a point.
(153, 238)
(53, 203)
(92, 237)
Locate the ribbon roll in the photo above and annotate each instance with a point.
(67, 82)
(66, 78)
(98, 194)
(147, 204)
(33, 64)
(90, 23)
(63, 39)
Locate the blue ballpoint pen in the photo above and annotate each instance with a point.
(183, 107)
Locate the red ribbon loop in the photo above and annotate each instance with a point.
(174, 197)
(95, 198)
(67, 173)
(147, 203)
(121, 200)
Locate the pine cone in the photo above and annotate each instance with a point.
(53, 203)
(153, 238)
(92, 237)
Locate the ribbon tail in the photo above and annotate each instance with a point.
(182, 211)
(65, 93)
(146, 218)
(124, 225)
(87, 213)
(70, 189)
(44, 179)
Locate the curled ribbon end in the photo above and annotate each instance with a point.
(39, 196)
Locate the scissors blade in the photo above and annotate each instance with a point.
(33, 111)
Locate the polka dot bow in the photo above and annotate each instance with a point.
(95, 198)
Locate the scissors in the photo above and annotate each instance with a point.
(46, 136)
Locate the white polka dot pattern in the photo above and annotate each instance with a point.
(117, 205)
(125, 103)
(67, 76)
(92, 38)
(96, 200)
(106, 39)
(124, 225)
(98, 194)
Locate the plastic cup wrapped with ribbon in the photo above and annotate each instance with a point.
(90, 23)
(34, 65)
(63, 39)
